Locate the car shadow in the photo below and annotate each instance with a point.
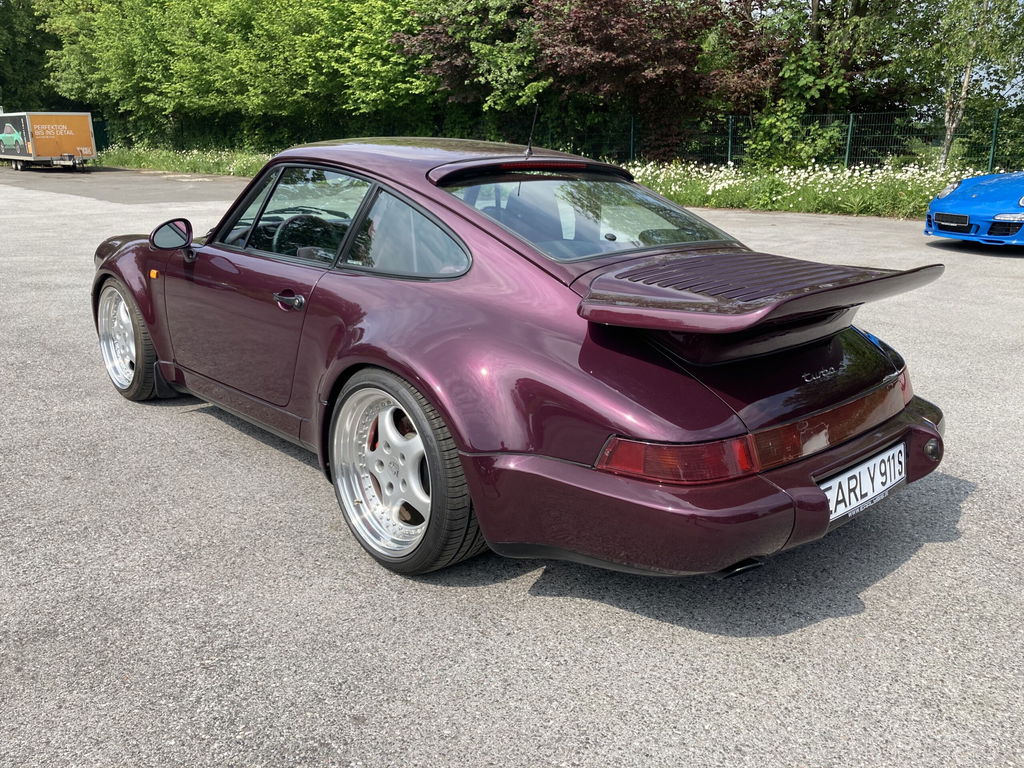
(257, 433)
(58, 169)
(818, 581)
(979, 249)
(179, 401)
(795, 589)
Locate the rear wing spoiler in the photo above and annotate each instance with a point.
(734, 293)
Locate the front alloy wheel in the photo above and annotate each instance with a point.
(124, 342)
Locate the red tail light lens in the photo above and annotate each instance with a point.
(696, 463)
(543, 165)
(684, 464)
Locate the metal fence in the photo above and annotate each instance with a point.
(982, 141)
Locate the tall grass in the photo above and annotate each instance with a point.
(213, 161)
(886, 190)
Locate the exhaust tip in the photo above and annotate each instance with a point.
(750, 564)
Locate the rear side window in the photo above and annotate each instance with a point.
(397, 239)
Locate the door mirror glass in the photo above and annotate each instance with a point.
(172, 235)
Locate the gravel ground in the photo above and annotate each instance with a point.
(178, 588)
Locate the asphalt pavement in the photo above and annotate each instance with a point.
(178, 588)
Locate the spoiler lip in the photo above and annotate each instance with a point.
(452, 172)
(620, 298)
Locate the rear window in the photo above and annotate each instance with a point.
(580, 215)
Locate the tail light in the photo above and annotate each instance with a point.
(697, 463)
(691, 464)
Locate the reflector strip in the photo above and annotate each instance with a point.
(698, 463)
(780, 445)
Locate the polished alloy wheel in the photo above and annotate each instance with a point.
(380, 469)
(117, 337)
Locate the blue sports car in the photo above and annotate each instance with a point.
(985, 209)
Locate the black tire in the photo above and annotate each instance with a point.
(452, 533)
(142, 385)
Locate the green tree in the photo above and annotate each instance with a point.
(975, 51)
(478, 51)
(251, 61)
(24, 82)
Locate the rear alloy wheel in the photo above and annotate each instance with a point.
(398, 477)
(124, 342)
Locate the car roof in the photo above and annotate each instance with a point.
(409, 160)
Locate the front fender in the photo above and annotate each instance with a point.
(130, 259)
(110, 247)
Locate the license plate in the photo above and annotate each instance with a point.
(867, 483)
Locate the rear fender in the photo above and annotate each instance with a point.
(563, 401)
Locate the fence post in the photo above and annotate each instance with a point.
(849, 140)
(995, 141)
(729, 150)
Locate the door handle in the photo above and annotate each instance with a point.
(295, 302)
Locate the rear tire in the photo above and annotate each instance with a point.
(125, 344)
(398, 476)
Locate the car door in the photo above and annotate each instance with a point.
(235, 306)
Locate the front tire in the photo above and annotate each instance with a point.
(398, 477)
(125, 343)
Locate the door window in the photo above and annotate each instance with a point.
(238, 233)
(307, 215)
(397, 239)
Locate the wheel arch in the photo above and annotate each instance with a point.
(137, 287)
(131, 265)
(326, 411)
(335, 382)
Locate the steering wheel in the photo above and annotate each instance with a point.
(316, 229)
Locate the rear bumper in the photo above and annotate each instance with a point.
(532, 506)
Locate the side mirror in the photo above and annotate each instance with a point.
(171, 235)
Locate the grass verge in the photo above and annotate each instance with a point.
(213, 161)
(886, 190)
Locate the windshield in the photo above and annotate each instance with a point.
(571, 216)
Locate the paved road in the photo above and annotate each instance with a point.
(177, 588)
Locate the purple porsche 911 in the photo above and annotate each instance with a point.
(489, 346)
